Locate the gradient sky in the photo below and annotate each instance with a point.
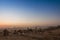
(30, 12)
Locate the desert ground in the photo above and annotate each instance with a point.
(52, 33)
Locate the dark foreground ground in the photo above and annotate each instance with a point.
(46, 35)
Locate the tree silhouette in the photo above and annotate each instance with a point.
(39, 30)
(58, 26)
(29, 30)
(15, 32)
(20, 32)
(5, 32)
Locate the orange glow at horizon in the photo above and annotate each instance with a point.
(28, 23)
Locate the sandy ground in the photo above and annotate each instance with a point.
(47, 35)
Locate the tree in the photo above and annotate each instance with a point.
(15, 32)
(5, 32)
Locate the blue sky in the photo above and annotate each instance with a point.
(41, 12)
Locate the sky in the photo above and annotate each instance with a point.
(30, 12)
